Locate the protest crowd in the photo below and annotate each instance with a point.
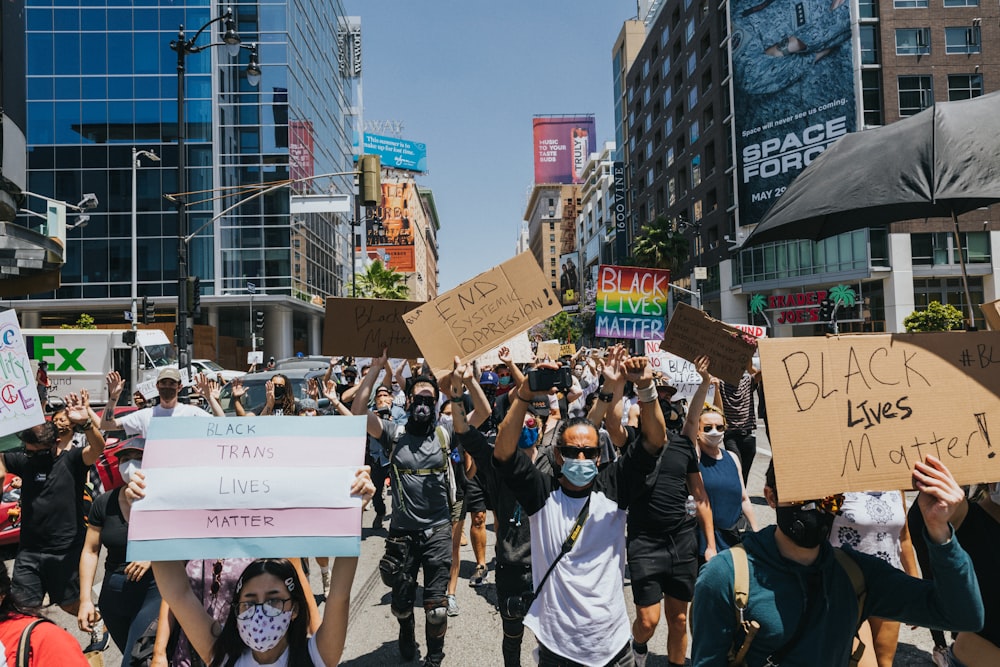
(592, 472)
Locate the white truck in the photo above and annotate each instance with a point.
(81, 358)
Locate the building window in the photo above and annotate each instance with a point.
(964, 86)
(948, 290)
(939, 248)
(552, 226)
(915, 94)
(552, 238)
(668, 126)
(871, 96)
(692, 97)
(693, 132)
(666, 63)
(645, 68)
(868, 9)
(689, 31)
(670, 156)
(650, 175)
(909, 4)
(913, 41)
(696, 171)
(961, 3)
(869, 44)
(962, 40)
(552, 250)
(552, 261)
(692, 63)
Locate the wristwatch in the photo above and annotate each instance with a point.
(606, 397)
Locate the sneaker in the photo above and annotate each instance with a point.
(452, 606)
(99, 639)
(940, 656)
(479, 577)
(407, 640)
(377, 523)
(325, 575)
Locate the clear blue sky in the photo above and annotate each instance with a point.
(466, 77)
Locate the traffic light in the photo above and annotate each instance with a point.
(825, 310)
(194, 295)
(259, 320)
(370, 181)
(148, 311)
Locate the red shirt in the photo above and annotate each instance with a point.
(50, 644)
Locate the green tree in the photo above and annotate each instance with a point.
(659, 246)
(561, 326)
(936, 317)
(380, 282)
(85, 321)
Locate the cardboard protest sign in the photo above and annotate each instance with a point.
(679, 371)
(19, 404)
(991, 311)
(483, 312)
(853, 413)
(520, 351)
(548, 349)
(692, 333)
(631, 302)
(567, 350)
(252, 488)
(362, 327)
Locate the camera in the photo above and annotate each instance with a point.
(543, 379)
(516, 606)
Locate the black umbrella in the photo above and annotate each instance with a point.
(941, 162)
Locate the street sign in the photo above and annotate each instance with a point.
(252, 288)
(128, 315)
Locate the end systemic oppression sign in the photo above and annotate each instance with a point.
(853, 413)
(631, 302)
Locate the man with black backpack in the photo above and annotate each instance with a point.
(789, 598)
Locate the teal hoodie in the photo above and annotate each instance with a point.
(777, 601)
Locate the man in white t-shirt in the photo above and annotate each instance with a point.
(168, 384)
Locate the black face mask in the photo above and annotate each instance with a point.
(279, 391)
(167, 393)
(421, 415)
(806, 528)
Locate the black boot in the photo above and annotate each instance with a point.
(435, 644)
(407, 639)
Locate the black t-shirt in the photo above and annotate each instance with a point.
(51, 499)
(662, 510)
(106, 515)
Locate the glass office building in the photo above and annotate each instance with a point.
(102, 79)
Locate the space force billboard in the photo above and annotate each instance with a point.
(562, 147)
(794, 91)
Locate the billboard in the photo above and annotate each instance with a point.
(395, 153)
(631, 302)
(562, 147)
(569, 280)
(793, 92)
(300, 150)
(389, 234)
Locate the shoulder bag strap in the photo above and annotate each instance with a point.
(741, 597)
(574, 534)
(860, 592)
(24, 645)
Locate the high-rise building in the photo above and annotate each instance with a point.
(708, 106)
(551, 217)
(102, 78)
(595, 221)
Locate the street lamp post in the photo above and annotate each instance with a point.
(183, 47)
(136, 159)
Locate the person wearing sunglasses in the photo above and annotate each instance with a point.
(577, 611)
(804, 598)
(732, 511)
(268, 620)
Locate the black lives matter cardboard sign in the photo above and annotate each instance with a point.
(692, 333)
(482, 313)
(853, 413)
(362, 327)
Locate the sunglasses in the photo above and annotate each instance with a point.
(830, 504)
(718, 428)
(574, 452)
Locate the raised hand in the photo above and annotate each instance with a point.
(269, 393)
(940, 496)
(238, 390)
(504, 354)
(312, 389)
(362, 485)
(116, 384)
(638, 370)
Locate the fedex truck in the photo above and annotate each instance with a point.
(81, 358)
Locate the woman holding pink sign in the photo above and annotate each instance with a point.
(268, 621)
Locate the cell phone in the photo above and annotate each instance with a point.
(543, 379)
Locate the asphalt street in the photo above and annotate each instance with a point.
(474, 635)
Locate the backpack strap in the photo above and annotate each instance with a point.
(741, 597)
(24, 645)
(857, 578)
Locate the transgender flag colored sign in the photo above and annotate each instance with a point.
(265, 487)
(631, 302)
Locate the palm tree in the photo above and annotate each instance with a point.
(843, 295)
(659, 246)
(380, 282)
(757, 304)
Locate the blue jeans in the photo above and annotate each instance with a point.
(128, 607)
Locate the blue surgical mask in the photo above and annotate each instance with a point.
(529, 436)
(579, 472)
(504, 380)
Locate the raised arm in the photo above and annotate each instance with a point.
(614, 384)
(480, 406)
(116, 384)
(359, 406)
(697, 404)
(82, 418)
(654, 426)
(210, 390)
(238, 391)
(509, 430)
(516, 376)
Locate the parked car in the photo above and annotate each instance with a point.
(254, 383)
(315, 361)
(214, 370)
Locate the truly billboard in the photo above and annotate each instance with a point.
(794, 93)
(569, 280)
(395, 153)
(562, 147)
(631, 302)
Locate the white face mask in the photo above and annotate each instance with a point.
(126, 469)
(714, 438)
(262, 632)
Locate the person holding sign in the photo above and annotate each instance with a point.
(578, 609)
(168, 384)
(422, 494)
(268, 622)
(809, 600)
